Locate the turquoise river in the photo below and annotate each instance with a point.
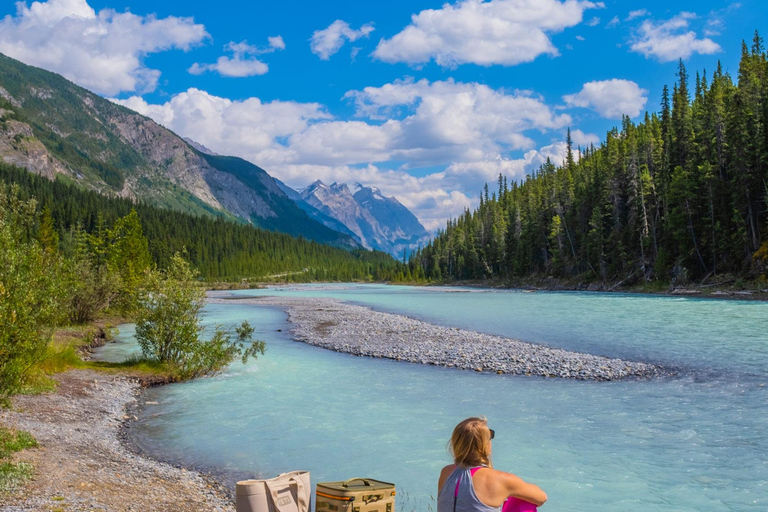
(695, 441)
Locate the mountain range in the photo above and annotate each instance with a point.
(374, 220)
(57, 129)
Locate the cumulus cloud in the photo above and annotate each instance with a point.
(615, 21)
(245, 128)
(276, 43)
(329, 41)
(505, 32)
(671, 40)
(101, 51)
(469, 131)
(242, 63)
(610, 98)
(595, 21)
(435, 123)
(579, 138)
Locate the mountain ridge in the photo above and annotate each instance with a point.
(55, 128)
(377, 221)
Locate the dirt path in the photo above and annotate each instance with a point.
(81, 465)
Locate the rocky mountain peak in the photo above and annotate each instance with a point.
(377, 221)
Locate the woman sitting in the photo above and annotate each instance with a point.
(471, 484)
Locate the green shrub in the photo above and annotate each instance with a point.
(168, 325)
(31, 292)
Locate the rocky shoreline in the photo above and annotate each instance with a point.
(361, 331)
(82, 463)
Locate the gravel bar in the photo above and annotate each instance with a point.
(82, 463)
(361, 331)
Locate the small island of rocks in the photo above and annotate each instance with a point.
(361, 331)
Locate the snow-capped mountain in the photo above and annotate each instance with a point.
(376, 221)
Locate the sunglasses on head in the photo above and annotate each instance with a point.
(493, 433)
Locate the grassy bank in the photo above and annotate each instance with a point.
(69, 349)
(71, 346)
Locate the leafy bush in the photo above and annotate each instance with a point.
(168, 325)
(31, 292)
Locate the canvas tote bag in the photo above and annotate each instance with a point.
(287, 492)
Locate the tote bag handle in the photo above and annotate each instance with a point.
(282, 504)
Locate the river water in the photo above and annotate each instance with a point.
(695, 441)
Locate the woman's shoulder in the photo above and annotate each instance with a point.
(444, 474)
(447, 470)
(486, 474)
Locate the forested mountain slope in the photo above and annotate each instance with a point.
(680, 196)
(220, 249)
(52, 127)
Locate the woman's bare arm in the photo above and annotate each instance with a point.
(519, 488)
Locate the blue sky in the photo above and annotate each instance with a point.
(423, 99)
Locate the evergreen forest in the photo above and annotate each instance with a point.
(678, 197)
(219, 249)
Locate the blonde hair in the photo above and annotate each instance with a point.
(470, 443)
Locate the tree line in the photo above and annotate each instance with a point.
(679, 196)
(220, 249)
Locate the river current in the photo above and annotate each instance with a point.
(693, 441)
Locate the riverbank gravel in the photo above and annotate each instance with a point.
(361, 331)
(82, 464)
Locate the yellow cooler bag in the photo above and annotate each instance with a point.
(355, 495)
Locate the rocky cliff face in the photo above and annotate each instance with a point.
(378, 222)
(396, 222)
(50, 126)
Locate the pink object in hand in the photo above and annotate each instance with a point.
(518, 505)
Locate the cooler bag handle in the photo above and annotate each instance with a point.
(345, 483)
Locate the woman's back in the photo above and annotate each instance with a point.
(459, 489)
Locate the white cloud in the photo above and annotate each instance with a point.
(242, 63)
(328, 41)
(579, 138)
(466, 130)
(505, 32)
(640, 13)
(101, 51)
(276, 42)
(715, 19)
(595, 21)
(670, 40)
(610, 98)
(245, 128)
(615, 21)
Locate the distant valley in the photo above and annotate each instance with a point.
(57, 129)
